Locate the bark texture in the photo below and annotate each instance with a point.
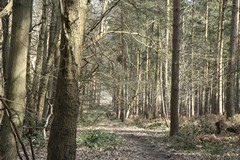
(62, 141)
(230, 88)
(175, 68)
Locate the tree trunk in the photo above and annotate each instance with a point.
(219, 107)
(32, 115)
(230, 95)
(192, 105)
(166, 87)
(175, 69)
(50, 71)
(16, 87)
(5, 52)
(205, 66)
(62, 140)
(5, 43)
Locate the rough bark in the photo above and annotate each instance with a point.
(62, 140)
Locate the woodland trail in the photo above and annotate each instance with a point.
(139, 144)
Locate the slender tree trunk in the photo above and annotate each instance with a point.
(41, 62)
(146, 111)
(50, 69)
(192, 106)
(167, 86)
(230, 95)
(5, 43)
(32, 114)
(175, 68)
(5, 52)
(16, 88)
(124, 86)
(219, 107)
(205, 67)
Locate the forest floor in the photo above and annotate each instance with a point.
(138, 144)
(145, 140)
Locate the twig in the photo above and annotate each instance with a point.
(31, 146)
(103, 15)
(47, 119)
(14, 129)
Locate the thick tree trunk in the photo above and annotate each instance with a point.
(16, 87)
(62, 140)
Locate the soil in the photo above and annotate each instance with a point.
(138, 144)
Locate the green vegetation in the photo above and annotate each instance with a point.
(37, 137)
(198, 136)
(92, 117)
(99, 140)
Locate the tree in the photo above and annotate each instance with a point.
(62, 140)
(175, 68)
(230, 93)
(5, 43)
(5, 48)
(33, 112)
(219, 106)
(16, 86)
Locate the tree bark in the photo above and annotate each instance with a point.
(16, 87)
(230, 95)
(222, 8)
(62, 140)
(175, 69)
(5, 52)
(50, 69)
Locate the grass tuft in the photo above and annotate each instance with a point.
(99, 140)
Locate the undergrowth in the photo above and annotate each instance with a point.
(91, 117)
(198, 135)
(99, 140)
(157, 124)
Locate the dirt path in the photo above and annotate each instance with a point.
(139, 144)
(147, 145)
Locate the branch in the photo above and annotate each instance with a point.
(7, 9)
(133, 34)
(103, 15)
(13, 127)
(50, 113)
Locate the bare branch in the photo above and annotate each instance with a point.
(103, 15)
(7, 9)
